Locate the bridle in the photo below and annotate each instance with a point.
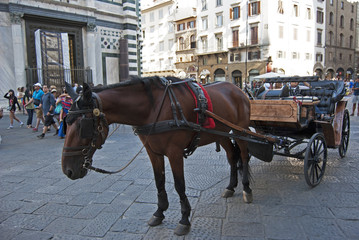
(91, 127)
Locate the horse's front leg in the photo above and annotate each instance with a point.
(176, 162)
(159, 172)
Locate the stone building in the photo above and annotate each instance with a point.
(52, 41)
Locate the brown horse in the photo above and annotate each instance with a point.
(142, 101)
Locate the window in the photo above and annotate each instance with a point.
(204, 43)
(319, 57)
(170, 27)
(307, 56)
(254, 8)
(320, 16)
(309, 13)
(295, 34)
(204, 5)
(170, 44)
(219, 20)
(160, 14)
(219, 3)
(352, 24)
(280, 54)
(204, 61)
(219, 42)
(161, 63)
(308, 35)
(152, 29)
(331, 38)
(144, 34)
(254, 55)
(254, 34)
(341, 40)
(237, 57)
(280, 32)
(340, 56)
(295, 55)
(341, 21)
(235, 37)
(181, 43)
(191, 24)
(319, 37)
(351, 42)
(204, 23)
(331, 2)
(143, 19)
(234, 13)
(295, 10)
(219, 59)
(280, 7)
(342, 5)
(152, 17)
(193, 41)
(181, 27)
(162, 46)
(331, 18)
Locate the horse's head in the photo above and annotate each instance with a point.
(86, 130)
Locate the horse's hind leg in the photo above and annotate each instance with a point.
(159, 172)
(247, 191)
(176, 161)
(233, 155)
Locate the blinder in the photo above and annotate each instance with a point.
(87, 127)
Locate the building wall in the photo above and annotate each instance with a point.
(96, 24)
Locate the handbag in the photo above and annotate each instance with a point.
(58, 109)
(37, 102)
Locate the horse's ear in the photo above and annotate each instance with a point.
(87, 93)
(71, 91)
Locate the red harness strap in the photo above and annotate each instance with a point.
(209, 122)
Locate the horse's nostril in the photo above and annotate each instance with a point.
(69, 173)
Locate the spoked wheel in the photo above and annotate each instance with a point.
(344, 142)
(315, 160)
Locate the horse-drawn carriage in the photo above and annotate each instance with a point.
(172, 117)
(316, 116)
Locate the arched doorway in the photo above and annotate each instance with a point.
(319, 73)
(340, 73)
(219, 75)
(237, 78)
(330, 74)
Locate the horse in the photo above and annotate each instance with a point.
(145, 101)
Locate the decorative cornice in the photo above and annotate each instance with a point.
(91, 27)
(15, 17)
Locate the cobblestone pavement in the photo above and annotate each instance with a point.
(37, 201)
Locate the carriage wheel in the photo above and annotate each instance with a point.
(315, 160)
(344, 142)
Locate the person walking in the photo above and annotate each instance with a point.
(12, 108)
(355, 98)
(48, 106)
(30, 108)
(36, 99)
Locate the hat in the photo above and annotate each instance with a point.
(53, 90)
(37, 85)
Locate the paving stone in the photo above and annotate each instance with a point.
(33, 235)
(345, 213)
(142, 211)
(62, 210)
(205, 228)
(29, 221)
(83, 199)
(282, 228)
(243, 213)
(10, 206)
(99, 226)
(72, 237)
(122, 235)
(5, 215)
(130, 225)
(350, 228)
(318, 227)
(90, 211)
(210, 210)
(244, 229)
(105, 197)
(30, 207)
(67, 226)
(8, 232)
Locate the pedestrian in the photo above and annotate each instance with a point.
(66, 103)
(36, 99)
(48, 106)
(355, 98)
(20, 98)
(30, 108)
(12, 108)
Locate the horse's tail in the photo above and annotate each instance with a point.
(237, 157)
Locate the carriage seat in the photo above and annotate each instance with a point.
(328, 92)
(272, 93)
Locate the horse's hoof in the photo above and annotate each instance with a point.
(155, 221)
(227, 193)
(182, 229)
(247, 197)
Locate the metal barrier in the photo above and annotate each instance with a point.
(57, 76)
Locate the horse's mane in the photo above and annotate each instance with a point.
(146, 81)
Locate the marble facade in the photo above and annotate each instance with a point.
(100, 24)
